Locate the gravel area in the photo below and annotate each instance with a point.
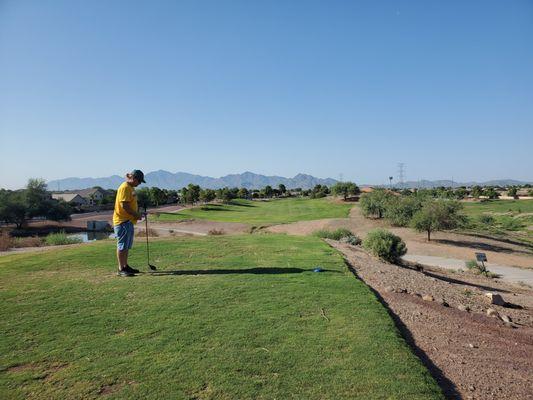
(475, 349)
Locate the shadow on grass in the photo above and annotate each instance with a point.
(234, 203)
(447, 386)
(228, 271)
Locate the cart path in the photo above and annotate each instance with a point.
(506, 273)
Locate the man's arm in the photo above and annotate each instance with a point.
(127, 207)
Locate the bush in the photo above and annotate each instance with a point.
(6, 241)
(60, 238)
(385, 245)
(29, 241)
(375, 203)
(511, 224)
(486, 219)
(471, 264)
(337, 234)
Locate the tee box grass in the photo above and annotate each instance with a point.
(278, 211)
(240, 317)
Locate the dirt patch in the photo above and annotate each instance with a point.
(112, 388)
(201, 227)
(443, 316)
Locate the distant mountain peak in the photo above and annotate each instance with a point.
(168, 180)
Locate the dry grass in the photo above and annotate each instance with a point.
(29, 241)
(6, 241)
(216, 232)
(151, 233)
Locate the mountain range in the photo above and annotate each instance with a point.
(168, 180)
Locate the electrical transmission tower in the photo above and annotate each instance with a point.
(401, 173)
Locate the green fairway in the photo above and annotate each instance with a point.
(264, 212)
(499, 207)
(242, 317)
(512, 218)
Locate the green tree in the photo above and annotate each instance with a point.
(513, 192)
(491, 193)
(207, 195)
(226, 194)
(282, 189)
(191, 194)
(345, 189)
(477, 191)
(157, 196)
(438, 215)
(375, 203)
(37, 198)
(399, 210)
(243, 193)
(268, 191)
(144, 198)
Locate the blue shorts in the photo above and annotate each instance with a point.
(124, 234)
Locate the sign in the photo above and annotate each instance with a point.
(481, 257)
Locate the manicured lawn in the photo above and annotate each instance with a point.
(512, 218)
(264, 212)
(243, 317)
(499, 206)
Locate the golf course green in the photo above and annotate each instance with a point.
(224, 317)
(277, 211)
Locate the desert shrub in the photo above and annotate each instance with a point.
(385, 245)
(60, 238)
(486, 219)
(216, 232)
(352, 239)
(337, 234)
(471, 264)
(511, 224)
(29, 241)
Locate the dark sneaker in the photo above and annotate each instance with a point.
(124, 272)
(132, 270)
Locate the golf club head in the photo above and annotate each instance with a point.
(152, 267)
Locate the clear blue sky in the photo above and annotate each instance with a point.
(95, 88)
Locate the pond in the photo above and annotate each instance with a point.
(91, 236)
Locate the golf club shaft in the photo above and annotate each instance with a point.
(147, 244)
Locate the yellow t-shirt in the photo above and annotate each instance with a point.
(126, 193)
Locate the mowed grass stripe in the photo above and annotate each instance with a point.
(244, 320)
(263, 212)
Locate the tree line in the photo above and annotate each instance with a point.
(419, 210)
(17, 206)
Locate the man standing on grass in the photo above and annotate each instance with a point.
(125, 215)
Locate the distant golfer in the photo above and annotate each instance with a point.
(125, 215)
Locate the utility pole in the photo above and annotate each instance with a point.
(401, 173)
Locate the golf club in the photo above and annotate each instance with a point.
(152, 267)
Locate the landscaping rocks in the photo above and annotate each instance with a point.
(428, 297)
(495, 299)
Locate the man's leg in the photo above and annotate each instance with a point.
(122, 257)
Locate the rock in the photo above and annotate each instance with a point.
(491, 312)
(463, 308)
(506, 318)
(389, 289)
(472, 346)
(495, 299)
(428, 297)
(444, 303)
(401, 290)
